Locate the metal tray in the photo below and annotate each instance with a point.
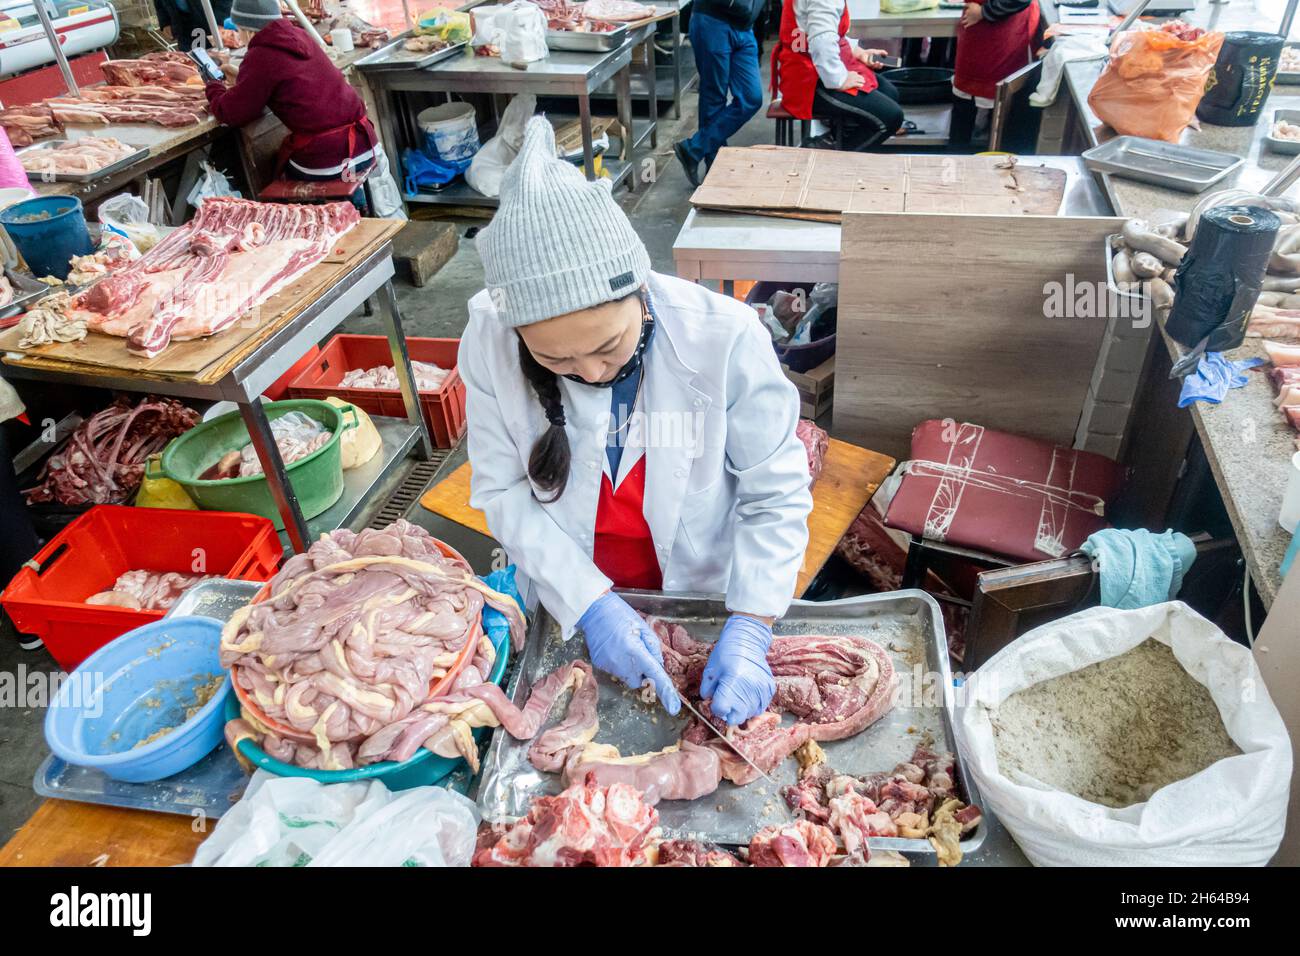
(26, 291)
(1277, 145)
(215, 597)
(100, 173)
(908, 624)
(1115, 290)
(1183, 168)
(585, 42)
(1288, 78)
(392, 56)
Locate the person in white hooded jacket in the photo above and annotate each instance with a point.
(629, 429)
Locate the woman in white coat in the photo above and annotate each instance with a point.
(629, 429)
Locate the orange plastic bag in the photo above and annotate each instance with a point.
(1153, 82)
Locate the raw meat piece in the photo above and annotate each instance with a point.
(198, 281)
(817, 443)
(147, 590)
(26, 124)
(6, 290)
(1270, 323)
(152, 70)
(354, 633)
(428, 377)
(683, 771)
(102, 462)
(855, 818)
(694, 853)
(761, 738)
(800, 843)
(84, 155)
(586, 825)
(1282, 355)
(868, 547)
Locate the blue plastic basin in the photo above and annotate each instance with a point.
(48, 232)
(133, 687)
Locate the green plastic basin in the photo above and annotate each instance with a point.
(317, 479)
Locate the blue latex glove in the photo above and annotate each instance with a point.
(737, 677)
(1213, 377)
(621, 643)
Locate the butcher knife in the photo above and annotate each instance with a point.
(723, 737)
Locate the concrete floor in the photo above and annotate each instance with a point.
(436, 310)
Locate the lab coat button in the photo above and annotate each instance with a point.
(680, 473)
(699, 402)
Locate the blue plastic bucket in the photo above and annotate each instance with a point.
(133, 689)
(48, 232)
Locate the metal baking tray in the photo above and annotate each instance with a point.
(90, 177)
(583, 41)
(1183, 168)
(1288, 78)
(26, 291)
(908, 624)
(1277, 145)
(392, 56)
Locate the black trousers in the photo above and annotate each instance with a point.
(17, 538)
(867, 119)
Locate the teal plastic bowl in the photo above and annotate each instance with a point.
(423, 769)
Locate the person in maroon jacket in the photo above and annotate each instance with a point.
(286, 71)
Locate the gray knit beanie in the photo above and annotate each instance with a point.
(254, 14)
(558, 243)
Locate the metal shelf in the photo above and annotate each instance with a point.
(461, 193)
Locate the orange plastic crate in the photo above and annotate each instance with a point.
(47, 597)
(444, 410)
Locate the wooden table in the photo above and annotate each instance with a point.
(850, 476)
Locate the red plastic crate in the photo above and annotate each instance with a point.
(46, 598)
(279, 389)
(444, 410)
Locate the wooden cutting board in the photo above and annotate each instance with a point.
(825, 184)
(850, 476)
(206, 360)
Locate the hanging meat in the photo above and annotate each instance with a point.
(343, 654)
(102, 462)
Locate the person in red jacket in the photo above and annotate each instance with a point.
(286, 71)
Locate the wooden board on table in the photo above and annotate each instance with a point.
(822, 185)
(206, 360)
(62, 833)
(850, 476)
(961, 331)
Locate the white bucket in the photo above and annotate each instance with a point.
(450, 132)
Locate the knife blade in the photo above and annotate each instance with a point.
(721, 736)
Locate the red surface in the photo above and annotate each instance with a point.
(444, 410)
(109, 540)
(991, 492)
(625, 550)
(39, 85)
(989, 52)
(280, 387)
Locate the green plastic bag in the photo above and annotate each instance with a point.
(907, 6)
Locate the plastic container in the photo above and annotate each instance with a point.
(444, 410)
(48, 243)
(139, 684)
(317, 479)
(450, 131)
(797, 358)
(921, 85)
(47, 597)
(279, 389)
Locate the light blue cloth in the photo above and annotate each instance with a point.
(1291, 552)
(1139, 568)
(1213, 377)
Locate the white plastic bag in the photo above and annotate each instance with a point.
(297, 435)
(128, 216)
(490, 163)
(385, 197)
(522, 27)
(1232, 813)
(294, 821)
(213, 182)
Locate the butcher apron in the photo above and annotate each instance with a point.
(988, 53)
(625, 550)
(295, 143)
(793, 72)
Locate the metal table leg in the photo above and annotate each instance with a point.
(652, 91)
(584, 121)
(402, 366)
(268, 453)
(623, 87)
(677, 64)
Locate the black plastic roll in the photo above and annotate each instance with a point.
(1239, 84)
(1220, 277)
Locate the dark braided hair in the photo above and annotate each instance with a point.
(548, 462)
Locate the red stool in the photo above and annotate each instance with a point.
(785, 121)
(311, 191)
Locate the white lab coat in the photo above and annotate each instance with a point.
(727, 497)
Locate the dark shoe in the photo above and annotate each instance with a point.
(689, 163)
